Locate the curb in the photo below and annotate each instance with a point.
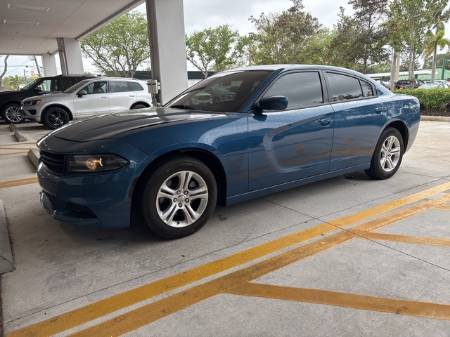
(435, 118)
(6, 256)
(33, 157)
(19, 136)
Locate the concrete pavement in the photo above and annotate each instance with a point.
(344, 257)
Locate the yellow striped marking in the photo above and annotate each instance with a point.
(405, 238)
(147, 314)
(18, 182)
(108, 305)
(354, 301)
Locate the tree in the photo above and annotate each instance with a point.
(120, 47)
(282, 38)
(5, 69)
(412, 19)
(216, 49)
(14, 82)
(436, 39)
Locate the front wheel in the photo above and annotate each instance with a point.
(388, 155)
(55, 117)
(179, 198)
(13, 114)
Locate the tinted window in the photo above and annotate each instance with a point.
(45, 85)
(134, 86)
(96, 88)
(224, 92)
(301, 89)
(118, 86)
(343, 87)
(367, 89)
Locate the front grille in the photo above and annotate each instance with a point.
(54, 162)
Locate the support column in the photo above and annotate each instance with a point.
(168, 46)
(49, 63)
(70, 56)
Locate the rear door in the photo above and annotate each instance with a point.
(295, 143)
(359, 116)
(120, 96)
(94, 103)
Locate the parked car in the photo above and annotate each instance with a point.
(87, 98)
(435, 85)
(408, 84)
(265, 129)
(10, 100)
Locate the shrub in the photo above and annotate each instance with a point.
(432, 101)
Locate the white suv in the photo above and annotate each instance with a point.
(87, 98)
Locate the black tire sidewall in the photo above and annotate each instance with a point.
(138, 106)
(376, 171)
(148, 206)
(48, 112)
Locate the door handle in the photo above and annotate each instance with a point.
(324, 122)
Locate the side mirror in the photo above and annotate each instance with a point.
(272, 103)
(82, 93)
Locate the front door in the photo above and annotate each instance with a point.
(295, 143)
(95, 102)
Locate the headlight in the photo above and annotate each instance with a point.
(33, 102)
(95, 163)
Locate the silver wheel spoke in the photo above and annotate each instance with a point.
(390, 153)
(174, 199)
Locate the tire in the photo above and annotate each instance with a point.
(139, 106)
(12, 113)
(55, 117)
(166, 211)
(382, 168)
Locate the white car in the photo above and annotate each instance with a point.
(87, 98)
(436, 85)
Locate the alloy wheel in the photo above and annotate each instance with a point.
(390, 153)
(182, 199)
(13, 114)
(56, 119)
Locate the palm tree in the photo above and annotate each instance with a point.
(432, 43)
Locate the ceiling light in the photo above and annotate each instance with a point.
(29, 7)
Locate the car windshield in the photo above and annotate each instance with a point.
(225, 92)
(76, 86)
(31, 84)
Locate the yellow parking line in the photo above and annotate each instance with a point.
(406, 238)
(18, 182)
(108, 305)
(354, 301)
(147, 314)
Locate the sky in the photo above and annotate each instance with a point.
(200, 14)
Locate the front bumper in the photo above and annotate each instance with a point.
(31, 112)
(102, 200)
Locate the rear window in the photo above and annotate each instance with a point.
(343, 87)
(367, 89)
(134, 86)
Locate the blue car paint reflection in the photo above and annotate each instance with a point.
(258, 153)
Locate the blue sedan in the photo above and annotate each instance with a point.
(237, 135)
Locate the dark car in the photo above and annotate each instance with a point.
(10, 100)
(261, 130)
(408, 84)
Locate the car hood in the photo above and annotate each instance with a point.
(109, 126)
(50, 96)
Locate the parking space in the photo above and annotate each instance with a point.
(328, 259)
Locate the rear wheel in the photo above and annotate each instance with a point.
(179, 198)
(12, 113)
(388, 155)
(55, 117)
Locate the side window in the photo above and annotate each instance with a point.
(45, 85)
(118, 86)
(343, 87)
(96, 88)
(367, 89)
(302, 89)
(56, 84)
(134, 86)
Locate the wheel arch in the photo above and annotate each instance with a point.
(402, 128)
(140, 102)
(205, 156)
(56, 105)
